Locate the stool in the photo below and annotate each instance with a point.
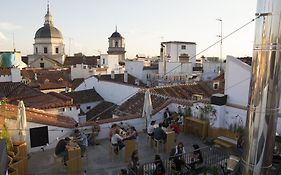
(57, 158)
(157, 144)
(113, 155)
(149, 140)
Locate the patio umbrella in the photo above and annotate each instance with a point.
(21, 122)
(147, 107)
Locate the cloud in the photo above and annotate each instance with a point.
(9, 26)
(2, 36)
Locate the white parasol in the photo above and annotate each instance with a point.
(147, 107)
(21, 122)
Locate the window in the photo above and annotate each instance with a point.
(42, 65)
(216, 85)
(196, 97)
(57, 50)
(183, 47)
(41, 59)
(70, 108)
(45, 50)
(88, 107)
(103, 61)
(84, 67)
(116, 43)
(36, 50)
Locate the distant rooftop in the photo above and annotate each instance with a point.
(178, 42)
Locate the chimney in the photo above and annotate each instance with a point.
(264, 92)
(112, 74)
(125, 76)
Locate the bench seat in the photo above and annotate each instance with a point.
(225, 142)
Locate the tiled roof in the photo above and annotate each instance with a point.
(36, 116)
(24, 59)
(76, 82)
(163, 96)
(119, 78)
(87, 60)
(85, 96)
(101, 111)
(47, 78)
(5, 71)
(32, 97)
(247, 60)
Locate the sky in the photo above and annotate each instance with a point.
(87, 24)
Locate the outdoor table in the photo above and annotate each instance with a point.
(74, 158)
(130, 146)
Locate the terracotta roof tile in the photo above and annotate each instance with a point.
(36, 116)
(47, 78)
(247, 60)
(5, 71)
(32, 97)
(76, 82)
(119, 78)
(101, 111)
(163, 96)
(87, 60)
(85, 96)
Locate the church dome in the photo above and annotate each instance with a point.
(116, 34)
(48, 31)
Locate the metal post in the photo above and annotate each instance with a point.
(264, 91)
(221, 60)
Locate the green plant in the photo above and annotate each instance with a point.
(4, 134)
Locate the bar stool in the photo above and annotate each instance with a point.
(113, 155)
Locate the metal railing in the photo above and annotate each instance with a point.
(212, 156)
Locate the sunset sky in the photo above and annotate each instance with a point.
(143, 24)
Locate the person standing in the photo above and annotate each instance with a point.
(82, 141)
(117, 141)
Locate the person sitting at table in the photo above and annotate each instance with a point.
(196, 156)
(150, 128)
(159, 133)
(117, 141)
(165, 123)
(82, 141)
(61, 150)
(132, 133)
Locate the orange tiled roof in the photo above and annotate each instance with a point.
(32, 97)
(47, 78)
(36, 116)
(5, 71)
(101, 111)
(87, 60)
(163, 96)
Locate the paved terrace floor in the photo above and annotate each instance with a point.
(97, 160)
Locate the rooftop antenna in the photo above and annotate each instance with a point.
(14, 45)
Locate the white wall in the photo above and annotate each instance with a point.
(110, 91)
(113, 63)
(135, 68)
(53, 132)
(211, 70)
(175, 68)
(81, 71)
(5, 78)
(174, 51)
(71, 111)
(237, 81)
